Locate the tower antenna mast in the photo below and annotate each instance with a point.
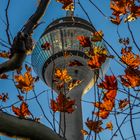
(70, 13)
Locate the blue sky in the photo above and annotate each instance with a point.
(21, 10)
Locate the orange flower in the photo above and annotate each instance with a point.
(130, 58)
(99, 105)
(109, 126)
(96, 51)
(23, 111)
(104, 108)
(106, 105)
(25, 82)
(67, 4)
(97, 36)
(102, 113)
(62, 75)
(96, 61)
(84, 132)
(4, 54)
(21, 98)
(84, 41)
(62, 104)
(118, 7)
(131, 78)
(124, 7)
(110, 95)
(110, 83)
(73, 84)
(94, 125)
(116, 20)
(123, 103)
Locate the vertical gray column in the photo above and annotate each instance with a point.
(73, 122)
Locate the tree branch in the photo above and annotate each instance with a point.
(21, 45)
(34, 19)
(14, 126)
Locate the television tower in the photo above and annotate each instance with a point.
(63, 47)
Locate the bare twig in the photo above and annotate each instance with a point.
(42, 109)
(98, 9)
(131, 33)
(131, 120)
(7, 23)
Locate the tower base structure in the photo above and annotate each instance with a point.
(72, 123)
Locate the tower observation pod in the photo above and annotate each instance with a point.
(61, 59)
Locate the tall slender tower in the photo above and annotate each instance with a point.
(59, 48)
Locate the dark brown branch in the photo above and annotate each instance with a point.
(13, 63)
(14, 126)
(34, 19)
(21, 44)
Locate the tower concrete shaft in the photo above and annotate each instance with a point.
(72, 124)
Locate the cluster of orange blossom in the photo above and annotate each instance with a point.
(130, 8)
(132, 72)
(67, 4)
